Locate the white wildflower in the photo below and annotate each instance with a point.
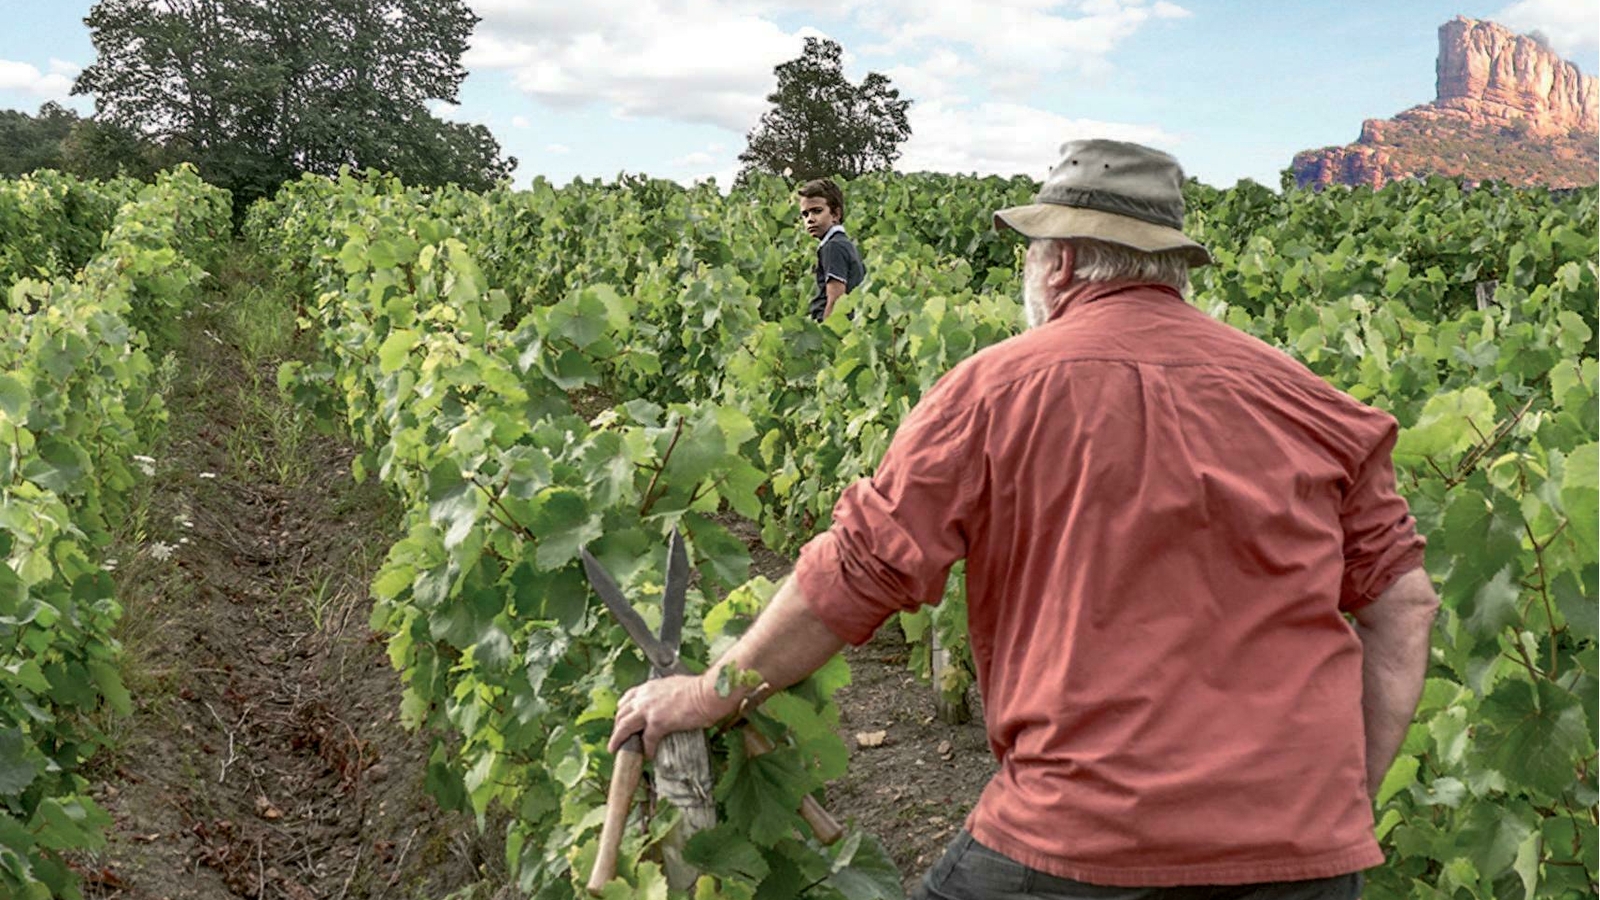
(183, 540)
(161, 550)
(109, 565)
(208, 474)
(147, 465)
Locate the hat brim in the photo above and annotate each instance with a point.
(1052, 220)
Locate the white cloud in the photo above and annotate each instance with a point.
(21, 76)
(1573, 26)
(695, 159)
(711, 61)
(701, 61)
(557, 149)
(461, 115)
(1004, 138)
(1017, 43)
(936, 77)
(520, 122)
(63, 67)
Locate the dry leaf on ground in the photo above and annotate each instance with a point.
(871, 738)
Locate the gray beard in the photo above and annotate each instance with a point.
(1034, 301)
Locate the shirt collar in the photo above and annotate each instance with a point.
(837, 229)
(1085, 293)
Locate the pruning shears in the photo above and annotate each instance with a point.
(662, 653)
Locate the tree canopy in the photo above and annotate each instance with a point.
(33, 142)
(58, 138)
(821, 125)
(256, 92)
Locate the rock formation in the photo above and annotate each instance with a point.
(1508, 108)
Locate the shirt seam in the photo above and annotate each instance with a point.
(1314, 385)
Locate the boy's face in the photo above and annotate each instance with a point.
(817, 216)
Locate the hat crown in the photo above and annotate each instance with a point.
(1118, 177)
(1110, 191)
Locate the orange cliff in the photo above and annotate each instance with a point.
(1508, 108)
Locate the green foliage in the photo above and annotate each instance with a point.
(256, 93)
(455, 324)
(56, 138)
(51, 224)
(33, 142)
(77, 401)
(821, 125)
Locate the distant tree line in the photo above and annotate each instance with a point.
(254, 93)
(58, 138)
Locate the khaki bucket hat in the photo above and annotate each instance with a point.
(1111, 191)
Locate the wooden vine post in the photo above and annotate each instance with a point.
(950, 706)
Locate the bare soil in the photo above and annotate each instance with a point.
(264, 759)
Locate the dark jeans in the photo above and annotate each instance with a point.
(970, 871)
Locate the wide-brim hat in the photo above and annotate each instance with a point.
(1110, 191)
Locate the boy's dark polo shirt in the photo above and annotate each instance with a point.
(837, 257)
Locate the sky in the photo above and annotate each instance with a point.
(671, 88)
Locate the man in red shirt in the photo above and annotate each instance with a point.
(1165, 521)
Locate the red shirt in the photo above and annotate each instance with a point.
(1163, 520)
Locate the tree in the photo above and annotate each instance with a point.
(95, 149)
(257, 92)
(57, 138)
(33, 142)
(821, 125)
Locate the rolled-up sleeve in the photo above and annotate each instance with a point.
(1381, 542)
(896, 535)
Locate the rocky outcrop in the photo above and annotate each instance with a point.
(1494, 77)
(1355, 164)
(1508, 108)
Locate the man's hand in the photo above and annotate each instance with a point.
(786, 643)
(663, 706)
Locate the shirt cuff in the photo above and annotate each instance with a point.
(1410, 558)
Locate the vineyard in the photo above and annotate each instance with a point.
(527, 373)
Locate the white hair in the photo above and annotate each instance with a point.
(1105, 261)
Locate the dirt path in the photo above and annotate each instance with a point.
(264, 759)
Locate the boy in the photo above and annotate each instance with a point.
(839, 265)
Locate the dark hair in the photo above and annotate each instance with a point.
(825, 189)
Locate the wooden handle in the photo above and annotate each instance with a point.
(823, 824)
(624, 781)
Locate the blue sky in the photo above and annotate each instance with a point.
(671, 87)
